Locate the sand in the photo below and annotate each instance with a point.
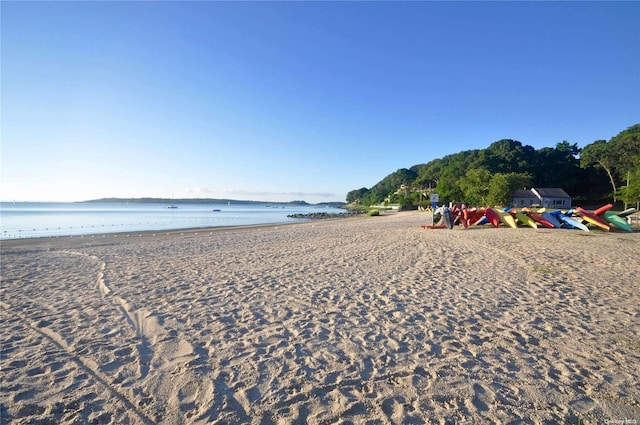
(364, 321)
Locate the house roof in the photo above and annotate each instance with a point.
(551, 192)
(524, 194)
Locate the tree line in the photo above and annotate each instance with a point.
(599, 172)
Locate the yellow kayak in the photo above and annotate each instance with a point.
(525, 219)
(507, 218)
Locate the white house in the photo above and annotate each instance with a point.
(542, 197)
(525, 198)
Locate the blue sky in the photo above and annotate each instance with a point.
(280, 101)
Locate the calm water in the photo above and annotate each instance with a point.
(29, 220)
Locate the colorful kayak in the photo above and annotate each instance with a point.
(434, 226)
(539, 219)
(571, 223)
(627, 212)
(551, 219)
(481, 220)
(464, 215)
(602, 209)
(525, 219)
(492, 216)
(440, 224)
(476, 216)
(447, 215)
(507, 219)
(617, 221)
(596, 220)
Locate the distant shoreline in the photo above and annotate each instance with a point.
(202, 201)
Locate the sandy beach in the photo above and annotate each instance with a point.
(365, 321)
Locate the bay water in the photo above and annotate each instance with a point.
(39, 219)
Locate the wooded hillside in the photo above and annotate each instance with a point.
(601, 171)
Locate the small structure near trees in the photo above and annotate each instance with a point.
(542, 197)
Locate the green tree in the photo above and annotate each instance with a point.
(502, 186)
(372, 197)
(559, 167)
(630, 192)
(625, 150)
(599, 153)
(391, 183)
(619, 157)
(475, 186)
(508, 156)
(448, 187)
(429, 173)
(356, 195)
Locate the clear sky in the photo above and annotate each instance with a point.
(281, 101)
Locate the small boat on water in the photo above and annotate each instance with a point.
(172, 206)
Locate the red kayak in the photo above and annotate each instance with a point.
(434, 226)
(439, 225)
(475, 215)
(594, 219)
(539, 218)
(603, 209)
(465, 215)
(492, 216)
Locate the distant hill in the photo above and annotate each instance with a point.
(202, 201)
